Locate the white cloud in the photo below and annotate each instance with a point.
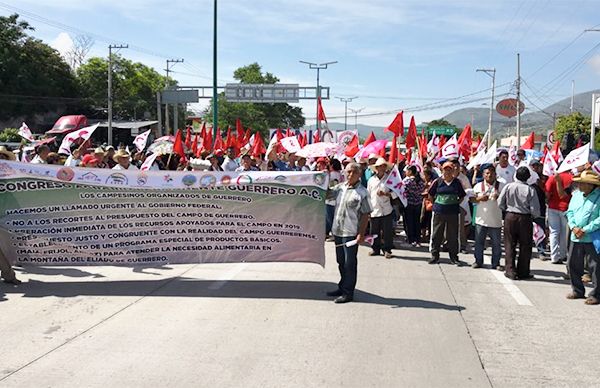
(63, 43)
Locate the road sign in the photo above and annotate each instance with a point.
(179, 96)
(265, 93)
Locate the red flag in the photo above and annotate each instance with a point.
(352, 147)
(218, 141)
(239, 129)
(303, 139)
(465, 141)
(258, 148)
(317, 137)
(397, 126)
(195, 144)
(441, 145)
(178, 145)
(207, 140)
(556, 151)
(411, 136)
(188, 138)
(320, 111)
(477, 143)
(423, 144)
(231, 141)
(529, 142)
(247, 137)
(394, 152)
(289, 133)
(408, 156)
(370, 139)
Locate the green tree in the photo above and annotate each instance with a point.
(440, 123)
(33, 76)
(576, 124)
(10, 135)
(258, 116)
(134, 86)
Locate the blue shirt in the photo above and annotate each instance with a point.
(584, 213)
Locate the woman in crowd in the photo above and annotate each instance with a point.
(414, 187)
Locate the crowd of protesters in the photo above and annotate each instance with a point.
(446, 204)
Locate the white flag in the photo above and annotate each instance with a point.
(141, 140)
(538, 234)
(577, 157)
(394, 183)
(149, 161)
(291, 144)
(483, 143)
(450, 148)
(83, 133)
(433, 147)
(550, 165)
(512, 156)
(25, 133)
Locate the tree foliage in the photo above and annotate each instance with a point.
(33, 76)
(571, 127)
(258, 116)
(440, 123)
(134, 86)
(10, 135)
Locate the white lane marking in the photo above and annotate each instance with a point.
(512, 288)
(227, 276)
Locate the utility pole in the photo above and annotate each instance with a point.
(518, 101)
(110, 98)
(318, 67)
(491, 73)
(168, 69)
(159, 114)
(356, 112)
(346, 101)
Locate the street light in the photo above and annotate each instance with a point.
(318, 67)
(346, 101)
(356, 112)
(491, 73)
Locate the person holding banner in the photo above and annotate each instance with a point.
(446, 193)
(583, 215)
(123, 160)
(350, 221)
(521, 204)
(229, 163)
(381, 215)
(41, 156)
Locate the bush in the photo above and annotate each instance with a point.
(10, 135)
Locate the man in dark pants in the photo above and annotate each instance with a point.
(446, 193)
(349, 223)
(381, 215)
(583, 216)
(521, 204)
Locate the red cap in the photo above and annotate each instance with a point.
(87, 159)
(322, 160)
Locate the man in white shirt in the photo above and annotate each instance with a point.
(123, 160)
(74, 159)
(505, 173)
(381, 215)
(41, 154)
(229, 163)
(488, 217)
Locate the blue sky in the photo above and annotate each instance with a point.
(393, 55)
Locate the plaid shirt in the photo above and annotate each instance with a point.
(351, 203)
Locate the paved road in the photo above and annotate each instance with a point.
(271, 325)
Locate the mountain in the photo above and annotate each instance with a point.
(536, 120)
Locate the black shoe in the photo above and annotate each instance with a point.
(526, 277)
(337, 292)
(433, 260)
(14, 281)
(456, 262)
(343, 299)
(511, 276)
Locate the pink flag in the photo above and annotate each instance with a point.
(25, 133)
(394, 183)
(577, 157)
(141, 140)
(512, 155)
(291, 144)
(550, 165)
(434, 144)
(83, 133)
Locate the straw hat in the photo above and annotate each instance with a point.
(588, 176)
(9, 154)
(381, 162)
(99, 150)
(120, 154)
